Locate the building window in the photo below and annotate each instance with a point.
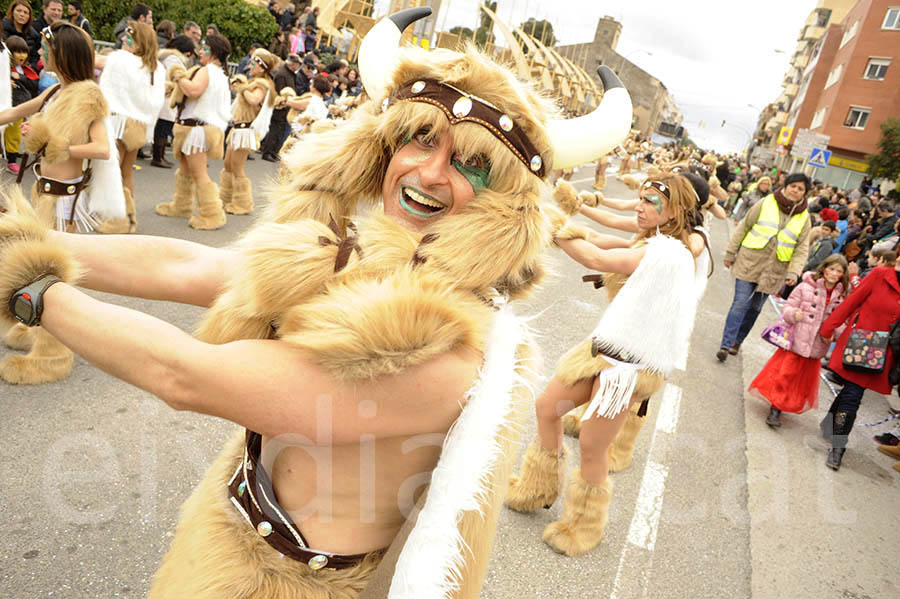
(857, 118)
(850, 33)
(877, 68)
(834, 75)
(818, 118)
(892, 19)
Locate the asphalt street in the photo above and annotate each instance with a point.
(715, 505)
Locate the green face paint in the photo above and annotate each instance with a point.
(478, 178)
(656, 201)
(129, 40)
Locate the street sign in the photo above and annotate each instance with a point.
(819, 157)
(784, 136)
(804, 142)
(849, 163)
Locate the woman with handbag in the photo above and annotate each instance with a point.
(862, 356)
(790, 379)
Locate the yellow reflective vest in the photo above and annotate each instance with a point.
(767, 226)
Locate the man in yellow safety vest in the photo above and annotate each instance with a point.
(767, 250)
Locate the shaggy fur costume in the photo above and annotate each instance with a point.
(214, 139)
(25, 254)
(243, 112)
(404, 298)
(56, 128)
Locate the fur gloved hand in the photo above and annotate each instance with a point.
(176, 72)
(26, 252)
(566, 197)
(590, 198)
(40, 138)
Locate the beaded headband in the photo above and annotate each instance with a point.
(260, 63)
(459, 106)
(660, 187)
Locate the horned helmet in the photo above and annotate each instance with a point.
(496, 240)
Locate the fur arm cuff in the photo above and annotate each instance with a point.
(404, 321)
(572, 231)
(57, 150)
(26, 254)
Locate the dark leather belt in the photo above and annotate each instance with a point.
(58, 188)
(191, 122)
(241, 125)
(251, 489)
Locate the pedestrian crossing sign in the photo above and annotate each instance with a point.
(819, 157)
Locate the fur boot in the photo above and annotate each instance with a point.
(48, 361)
(572, 421)
(242, 199)
(126, 225)
(537, 485)
(622, 448)
(182, 204)
(226, 186)
(583, 520)
(19, 337)
(210, 214)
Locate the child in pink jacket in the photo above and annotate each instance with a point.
(790, 379)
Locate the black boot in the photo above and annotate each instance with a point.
(159, 154)
(843, 424)
(774, 417)
(827, 424)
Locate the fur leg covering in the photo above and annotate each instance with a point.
(622, 449)
(537, 485)
(125, 225)
(48, 361)
(182, 204)
(583, 520)
(210, 214)
(572, 421)
(226, 186)
(216, 554)
(242, 200)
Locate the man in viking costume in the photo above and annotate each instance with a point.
(644, 333)
(69, 132)
(348, 351)
(252, 113)
(134, 84)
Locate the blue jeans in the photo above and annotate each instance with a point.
(745, 309)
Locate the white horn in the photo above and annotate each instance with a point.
(378, 51)
(586, 138)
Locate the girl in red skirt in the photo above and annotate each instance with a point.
(790, 379)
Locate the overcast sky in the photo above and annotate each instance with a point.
(715, 57)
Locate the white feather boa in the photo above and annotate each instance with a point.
(433, 555)
(649, 323)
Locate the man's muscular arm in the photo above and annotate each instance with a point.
(156, 268)
(267, 386)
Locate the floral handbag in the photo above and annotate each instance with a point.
(866, 351)
(779, 334)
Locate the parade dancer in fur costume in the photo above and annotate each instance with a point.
(644, 332)
(600, 173)
(621, 451)
(204, 102)
(134, 84)
(252, 111)
(67, 128)
(334, 329)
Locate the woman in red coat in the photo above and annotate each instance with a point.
(876, 302)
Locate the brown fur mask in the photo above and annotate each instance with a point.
(331, 172)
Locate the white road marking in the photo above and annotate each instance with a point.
(637, 554)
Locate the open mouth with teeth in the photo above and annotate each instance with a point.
(419, 204)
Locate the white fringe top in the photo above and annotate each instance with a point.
(214, 105)
(125, 84)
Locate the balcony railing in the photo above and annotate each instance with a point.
(812, 33)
